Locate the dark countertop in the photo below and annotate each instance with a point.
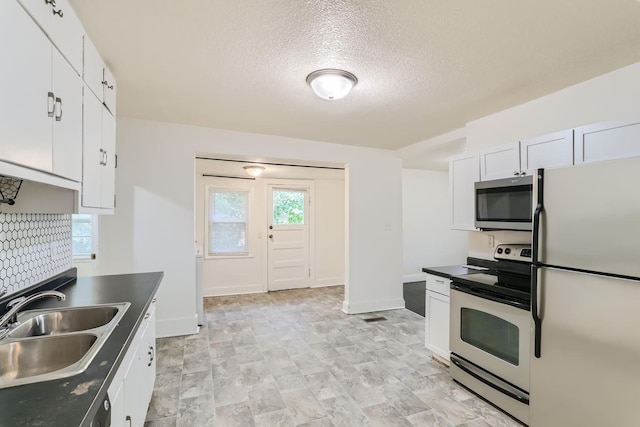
(457, 270)
(73, 401)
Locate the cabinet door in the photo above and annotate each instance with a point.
(109, 91)
(500, 162)
(108, 183)
(93, 72)
(607, 141)
(548, 151)
(151, 343)
(437, 324)
(464, 171)
(92, 153)
(116, 396)
(67, 124)
(25, 82)
(66, 33)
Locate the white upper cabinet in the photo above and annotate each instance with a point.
(607, 141)
(58, 20)
(98, 174)
(109, 90)
(548, 151)
(464, 171)
(27, 107)
(98, 76)
(67, 120)
(41, 120)
(498, 162)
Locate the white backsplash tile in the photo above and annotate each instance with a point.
(33, 247)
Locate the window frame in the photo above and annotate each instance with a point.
(207, 221)
(93, 236)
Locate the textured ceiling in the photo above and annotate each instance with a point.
(424, 67)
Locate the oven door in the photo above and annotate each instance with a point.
(492, 335)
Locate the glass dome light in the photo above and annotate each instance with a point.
(331, 84)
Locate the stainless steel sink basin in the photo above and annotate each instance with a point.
(55, 343)
(64, 321)
(28, 358)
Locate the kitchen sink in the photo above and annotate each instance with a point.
(64, 321)
(55, 343)
(29, 358)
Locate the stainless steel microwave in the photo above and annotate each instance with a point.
(504, 204)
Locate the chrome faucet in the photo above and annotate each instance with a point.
(10, 319)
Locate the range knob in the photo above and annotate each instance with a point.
(507, 251)
(499, 250)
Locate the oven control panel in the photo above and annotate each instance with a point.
(513, 252)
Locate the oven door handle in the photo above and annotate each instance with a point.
(490, 380)
(489, 296)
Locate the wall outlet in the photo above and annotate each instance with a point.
(491, 241)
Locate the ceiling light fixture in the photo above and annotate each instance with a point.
(331, 84)
(254, 171)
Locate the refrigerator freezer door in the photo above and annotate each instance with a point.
(591, 218)
(588, 372)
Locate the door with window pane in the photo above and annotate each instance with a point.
(288, 237)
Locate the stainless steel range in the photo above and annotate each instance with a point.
(490, 330)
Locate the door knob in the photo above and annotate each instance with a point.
(271, 236)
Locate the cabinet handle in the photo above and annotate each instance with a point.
(106, 158)
(440, 281)
(51, 104)
(128, 418)
(51, 2)
(516, 173)
(153, 300)
(58, 12)
(152, 355)
(146, 316)
(58, 106)
(101, 157)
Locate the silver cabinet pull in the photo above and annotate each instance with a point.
(440, 281)
(146, 316)
(51, 2)
(106, 158)
(51, 104)
(101, 157)
(58, 106)
(58, 12)
(152, 355)
(153, 300)
(128, 418)
(516, 173)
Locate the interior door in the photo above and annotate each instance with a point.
(288, 237)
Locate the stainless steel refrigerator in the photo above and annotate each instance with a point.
(585, 366)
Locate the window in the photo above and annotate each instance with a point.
(288, 207)
(81, 236)
(227, 222)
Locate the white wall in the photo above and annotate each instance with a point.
(154, 225)
(427, 238)
(614, 95)
(239, 275)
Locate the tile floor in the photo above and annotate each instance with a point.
(293, 358)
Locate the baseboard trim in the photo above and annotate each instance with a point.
(177, 326)
(331, 281)
(370, 306)
(233, 290)
(419, 277)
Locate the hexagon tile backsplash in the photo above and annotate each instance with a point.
(33, 247)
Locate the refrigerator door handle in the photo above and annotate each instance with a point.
(535, 312)
(536, 216)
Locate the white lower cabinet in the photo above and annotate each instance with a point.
(131, 389)
(436, 313)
